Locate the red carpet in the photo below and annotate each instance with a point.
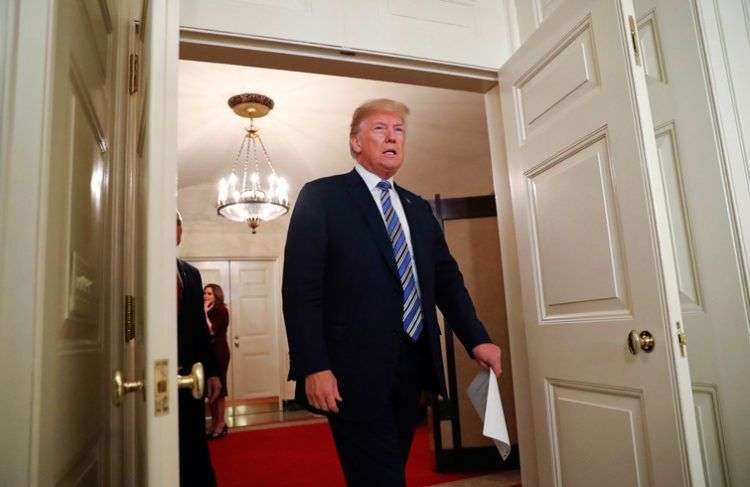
(303, 456)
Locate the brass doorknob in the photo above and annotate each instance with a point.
(640, 341)
(195, 381)
(236, 342)
(122, 387)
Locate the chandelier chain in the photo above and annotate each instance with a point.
(255, 155)
(246, 162)
(265, 154)
(237, 157)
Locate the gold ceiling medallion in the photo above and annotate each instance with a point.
(242, 197)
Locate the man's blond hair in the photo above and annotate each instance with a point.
(374, 106)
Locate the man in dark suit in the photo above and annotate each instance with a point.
(365, 265)
(193, 345)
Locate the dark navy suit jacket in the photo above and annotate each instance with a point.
(343, 297)
(193, 337)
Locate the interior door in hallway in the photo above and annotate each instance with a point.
(595, 257)
(254, 321)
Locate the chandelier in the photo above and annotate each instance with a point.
(243, 197)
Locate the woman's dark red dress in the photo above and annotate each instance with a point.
(219, 317)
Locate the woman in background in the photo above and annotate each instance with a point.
(217, 316)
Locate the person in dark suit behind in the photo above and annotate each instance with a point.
(193, 345)
(365, 265)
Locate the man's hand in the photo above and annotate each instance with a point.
(323, 391)
(213, 388)
(488, 356)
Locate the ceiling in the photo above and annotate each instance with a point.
(306, 134)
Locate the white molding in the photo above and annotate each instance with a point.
(513, 26)
(512, 286)
(160, 186)
(264, 258)
(25, 141)
(724, 36)
(712, 391)
(733, 139)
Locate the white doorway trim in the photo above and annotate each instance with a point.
(727, 63)
(23, 167)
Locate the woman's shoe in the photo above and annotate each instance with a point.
(220, 434)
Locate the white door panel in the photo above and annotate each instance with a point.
(255, 330)
(596, 259)
(214, 272)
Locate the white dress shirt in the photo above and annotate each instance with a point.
(371, 180)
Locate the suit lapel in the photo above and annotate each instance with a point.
(366, 205)
(416, 230)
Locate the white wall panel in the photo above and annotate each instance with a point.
(310, 21)
(466, 32)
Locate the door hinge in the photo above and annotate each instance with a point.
(129, 318)
(682, 339)
(133, 74)
(635, 39)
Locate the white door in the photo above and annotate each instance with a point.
(707, 266)
(149, 227)
(214, 272)
(595, 257)
(254, 324)
(78, 341)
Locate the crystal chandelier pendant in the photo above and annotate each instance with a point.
(247, 194)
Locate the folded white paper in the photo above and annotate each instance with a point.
(485, 396)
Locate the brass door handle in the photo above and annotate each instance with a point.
(640, 341)
(122, 387)
(195, 381)
(236, 342)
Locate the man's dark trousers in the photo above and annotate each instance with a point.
(374, 452)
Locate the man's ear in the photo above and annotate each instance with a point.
(355, 145)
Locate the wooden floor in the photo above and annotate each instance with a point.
(500, 479)
(264, 413)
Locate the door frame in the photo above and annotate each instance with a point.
(459, 458)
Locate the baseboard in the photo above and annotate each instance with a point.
(290, 405)
(482, 458)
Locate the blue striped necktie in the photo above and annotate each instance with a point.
(412, 317)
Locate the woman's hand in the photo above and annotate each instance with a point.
(207, 306)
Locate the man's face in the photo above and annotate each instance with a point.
(179, 233)
(379, 143)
